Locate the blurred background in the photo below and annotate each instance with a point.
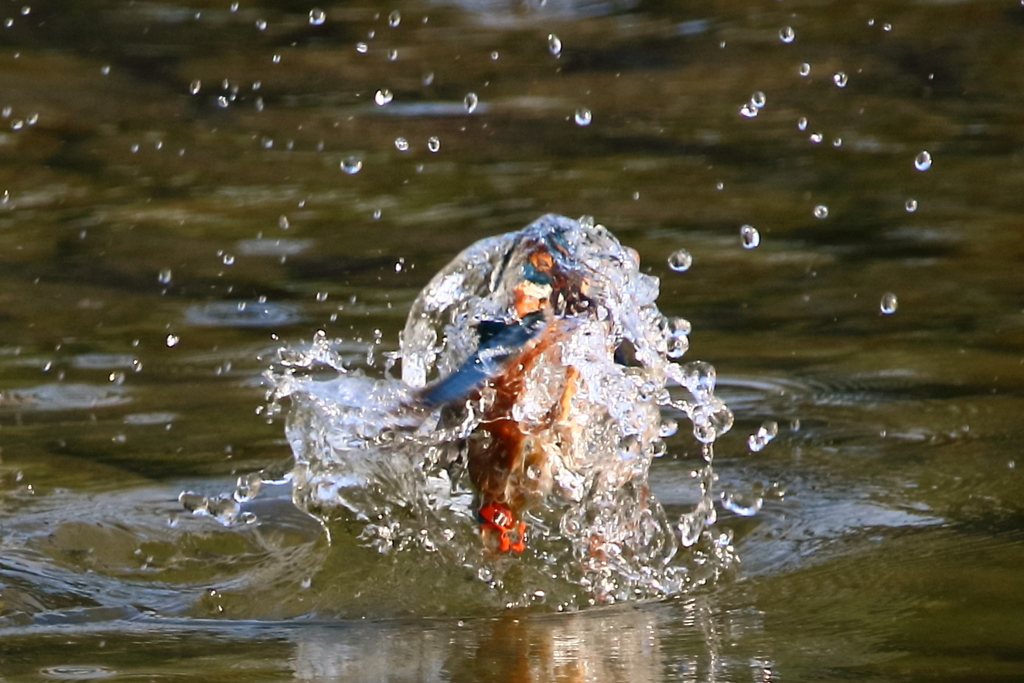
(184, 189)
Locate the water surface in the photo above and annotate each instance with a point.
(178, 202)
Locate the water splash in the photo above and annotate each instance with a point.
(535, 369)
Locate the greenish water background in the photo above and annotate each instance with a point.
(895, 551)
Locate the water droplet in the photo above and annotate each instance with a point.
(16, 124)
(228, 260)
(886, 27)
(394, 19)
(172, 340)
(787, 34)
(26, 10)
(719, 186)
(801, 123)
(351, 165)
(743, 506)
(911, 205)
(815, 137)
(222, 101)
(276, 59)
(135, 148)
(382, 97)
(267, 143)
(282, 222)
(433, 143)
(428, 78)
(923, 161)
(840, 79)
(361, 48)
(376, 214)
(234, 7)
(321, 296)
(261, 24)
(105, 69)
(805, 69)
(401, 144)
(392, 55)
(195, 87)
(554, 44)
(164, 276)
(494, 56)
(889, 303)
(758, 99)
(748, 110)
(583, 117)
(471, 101)
(680, 261)
(765, 433)
(821, 211)
(750, 237)
(317, 16)
(838, 142)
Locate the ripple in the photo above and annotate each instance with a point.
(77, 672)
(242, 314)
(52, 397)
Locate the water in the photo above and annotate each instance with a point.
(880, 525)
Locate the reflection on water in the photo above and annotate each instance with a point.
(171, 164)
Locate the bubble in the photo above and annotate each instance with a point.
(317, 16)
(164, 276)
(471, 101)
(361, 48)
(433, 143)
(680, 260)
(765, 433)
(750, 237)
(840, 79)
(911, 205)
(758, 99)
(748, 110)
(554, 44)
(394, 19)
(401, 144)
(195, 87)
(352, 165)
(787, 34)
(923, 161)
(382, 97)
(801, 123)
(821, 211)
(583, 117)
(805, 69)
(172, 340)
(889, 303)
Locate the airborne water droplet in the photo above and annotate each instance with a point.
(889, 303)
(801, 123)
(750, 237)
(911, 205)
(554, 44)
(787, 34)
(758, 99)
(680, 261)
(748, 110)
(805, 69)
(428, 78)
(471, 101)
(821, 211)
(583, 116)
(382, 97)
(282, 222)
(172, 340)
(923, 161)
(361, 48)
(815, 138)
(433, 143)
(351, 165)
(401, 144)
(317, 16)
(164, 277)
(840, 79)
(195, 87)
(394, 19)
